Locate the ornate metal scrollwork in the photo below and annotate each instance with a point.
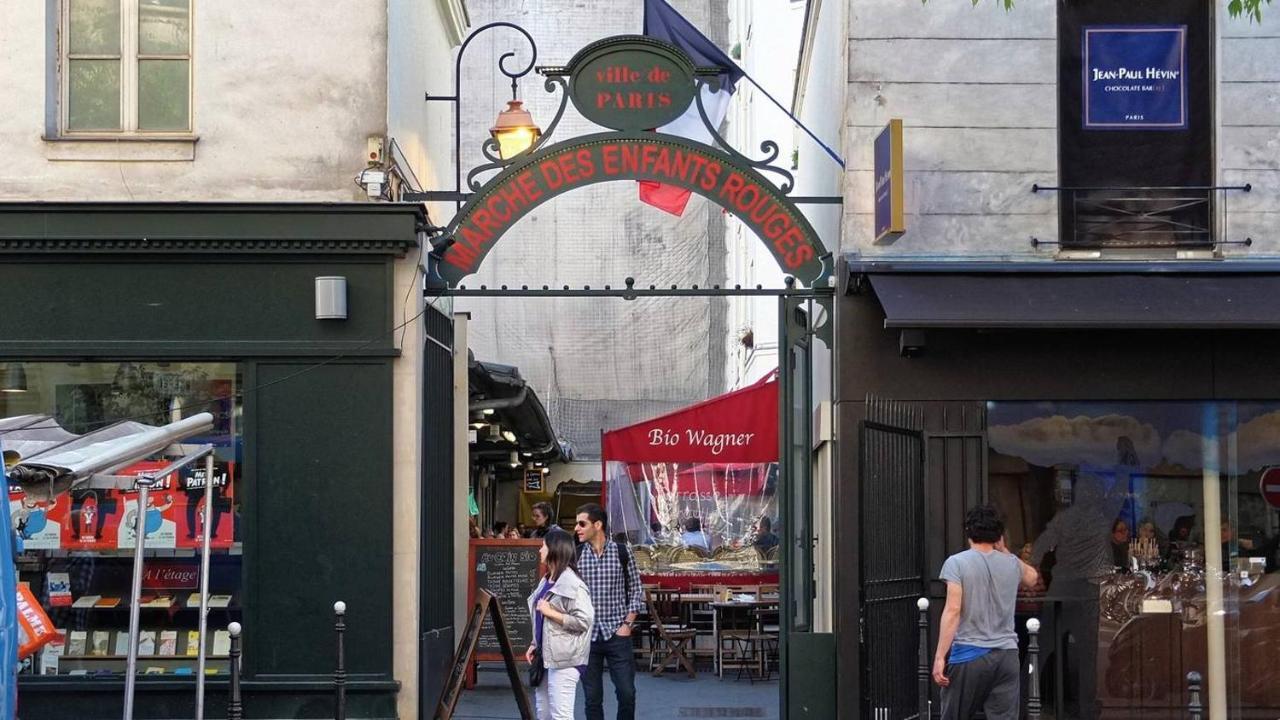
(768, 147)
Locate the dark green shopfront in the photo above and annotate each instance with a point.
(150, 311)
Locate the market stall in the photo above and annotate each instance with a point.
(694, 491)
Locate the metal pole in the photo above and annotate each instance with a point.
(340, 675)
(204, 583)
(922, 667)
(139, 546)
(1193, 689)
(1033, 669)
(235, 710)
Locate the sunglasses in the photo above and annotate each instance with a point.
(583, 523)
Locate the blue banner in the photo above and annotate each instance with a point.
(1135, 77)
(889, 213)
(8, 612)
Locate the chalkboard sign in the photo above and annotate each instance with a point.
(485, 608)
(508, 570)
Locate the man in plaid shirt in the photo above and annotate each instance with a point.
(617, 596)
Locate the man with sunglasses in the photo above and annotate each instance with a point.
(611, 576)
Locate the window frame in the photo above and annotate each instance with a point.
(129, 57)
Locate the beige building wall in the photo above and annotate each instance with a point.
(284, 102)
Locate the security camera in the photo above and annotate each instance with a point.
(372, 180)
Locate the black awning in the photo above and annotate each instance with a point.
(1039, 299)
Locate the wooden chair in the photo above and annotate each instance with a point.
(669, 634)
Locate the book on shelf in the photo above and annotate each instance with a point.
(221, 643)
(219, 601)
(122, 643)
(76, 642)
(193, 600)
(79, 672)
(183, 671)
(153, 671)
(147, 642)
(101, 642)
(86, 601)
(59, 586)
(193, 643)
(107, 602)
(51, 654)
(168, 643)
(157, 601)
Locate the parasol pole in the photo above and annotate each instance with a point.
(139, 545)
(205, 539)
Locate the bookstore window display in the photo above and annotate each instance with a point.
(78, 549)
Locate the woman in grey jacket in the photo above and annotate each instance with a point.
(562, 618)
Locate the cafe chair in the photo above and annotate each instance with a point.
(669, 634)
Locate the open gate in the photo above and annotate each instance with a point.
(892, 557)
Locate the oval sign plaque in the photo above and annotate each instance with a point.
(631, 82)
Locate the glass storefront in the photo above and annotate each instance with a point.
(78, 549)
(1157, 547)
(697, 517)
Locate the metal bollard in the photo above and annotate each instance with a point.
(340, 675)
(922, 669)
(235, 709)
(1193, 689)
(1033, 669)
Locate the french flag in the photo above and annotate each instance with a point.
(662, 22)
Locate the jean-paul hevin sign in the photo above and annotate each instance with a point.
(1135, 77)
(632, 85)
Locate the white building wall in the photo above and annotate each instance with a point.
(283, 104)
(976, 88)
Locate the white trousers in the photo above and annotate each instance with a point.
(555, 697)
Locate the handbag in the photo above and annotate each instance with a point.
(537, 671)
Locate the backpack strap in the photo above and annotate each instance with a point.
(624, 559)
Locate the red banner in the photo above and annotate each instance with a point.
(739, 427)
(171, 576)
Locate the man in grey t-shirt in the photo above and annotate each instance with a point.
(976, 664)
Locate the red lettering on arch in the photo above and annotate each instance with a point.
(732, 186)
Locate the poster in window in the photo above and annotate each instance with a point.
(159, 515)
(190, 514)
(1135, 77)
(38, 522)
(93, 521)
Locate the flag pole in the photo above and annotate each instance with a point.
(794, 119)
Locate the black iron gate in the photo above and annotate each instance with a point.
(892, 554)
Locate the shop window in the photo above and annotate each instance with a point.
(125, 66)
(1136, 125)
(78, 549)
(1159, 551)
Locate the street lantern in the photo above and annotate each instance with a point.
(514, 130)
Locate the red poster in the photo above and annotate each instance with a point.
(37, 522)
(159, 522)
(190, 513)
(93, 520)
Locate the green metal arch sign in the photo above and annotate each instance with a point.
(606, 157)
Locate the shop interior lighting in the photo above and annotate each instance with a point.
(495, 432)
(15, 378)
(487, 412)
(515, 459)
(514, 130)
(510, 436)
